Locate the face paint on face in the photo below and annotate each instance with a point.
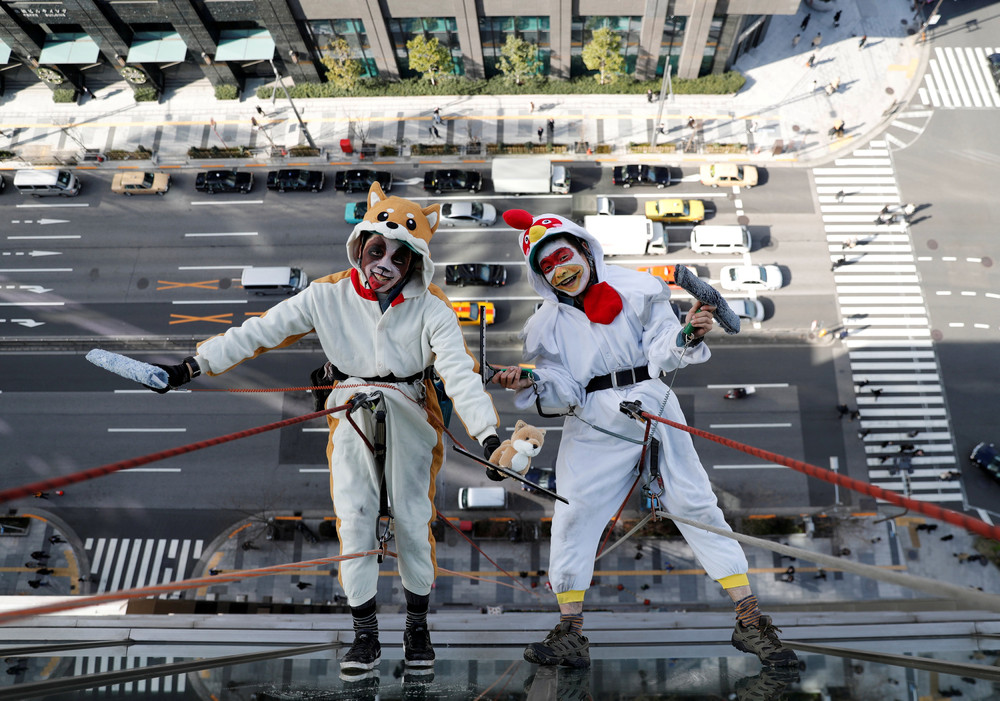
(384, 262)
(564, 267)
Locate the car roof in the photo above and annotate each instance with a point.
(458, 208)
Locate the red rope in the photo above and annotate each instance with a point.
(179, 585)
(953, 517)
(94, 472)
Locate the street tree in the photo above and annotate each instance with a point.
(518, 59)
(427, 56)
(604, 54)
(341, 68)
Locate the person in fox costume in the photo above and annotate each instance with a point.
(381, 325)
(603, 335)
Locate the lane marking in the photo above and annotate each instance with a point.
(38, 206)
(211, 301)
(36, 270)
(212, 267)
(146, 430)
(232, 233)
(67, 236)
(197, 204)
(151, 469)
(775, 425)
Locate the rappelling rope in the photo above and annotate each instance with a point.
(928, 509)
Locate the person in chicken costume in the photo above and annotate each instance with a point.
(382, 325)
(603, 335)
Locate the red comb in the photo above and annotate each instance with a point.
(518, 218)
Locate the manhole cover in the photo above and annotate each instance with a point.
(932, 244)
(743, 220)
(225, 283)
(987, 262)
(936, 334)
(142, 283)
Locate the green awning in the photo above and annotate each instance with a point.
(156, 47)
(245, 45)
(69, 48)
(4, 53)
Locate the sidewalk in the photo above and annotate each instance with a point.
(782, 115)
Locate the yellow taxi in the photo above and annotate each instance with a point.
(668, 211)
(468, 312)
(729, 174)
(139, 183)
(664, 272)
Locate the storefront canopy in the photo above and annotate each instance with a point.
(245, 45)
(157, 47)
(4, 53)
(69, 48)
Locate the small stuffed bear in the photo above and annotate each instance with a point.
(516, 452)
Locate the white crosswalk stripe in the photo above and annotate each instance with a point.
(97, 664)
(959, 77)
(130, 563)
(886, 329)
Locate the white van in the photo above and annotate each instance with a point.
(39, 183)
(720, 239)
(482, 498)
(283, 280)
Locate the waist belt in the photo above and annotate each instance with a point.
(622, 378)
(340, 376)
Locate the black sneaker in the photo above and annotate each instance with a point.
(364, 654)
(361, 687)
(560, 647)
(762, 640)
(417, 649)
(766, 686)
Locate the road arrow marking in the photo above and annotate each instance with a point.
(29, 323)
(43, 222)
(37, 289)
(32, 253)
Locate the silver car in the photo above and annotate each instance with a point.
(458, 213)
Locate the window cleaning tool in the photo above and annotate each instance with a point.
(129, 368)
(706, 294)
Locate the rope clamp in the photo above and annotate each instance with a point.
(362, 400)
(385, 526)
(632, 410)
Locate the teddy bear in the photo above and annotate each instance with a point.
(516, 452)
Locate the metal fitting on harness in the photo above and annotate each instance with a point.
(632, 410)
(363, 400)
(383, 531)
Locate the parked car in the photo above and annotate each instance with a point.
(468, 312)
(542, 476)
(664, 272)
(630, 175)
(354, 212)
(475, 274)
(987, 457)
(351, 180)
(481, 213)
(750, 309)
(295, 179)
(751, 277)
(213, 181)
(138, 183)
(729, 174)
(669, 211)
(438, 181)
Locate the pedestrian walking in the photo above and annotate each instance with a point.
(914, 433)
(820, 574)
(836, 18)
(817, 40)
(809, 64)
(691, 122)
(805, 22)
(540, 132)
(950, 536)
(855, 415)
(35, 583)
(835, 84)
(661, 128)
(790, 569)
(437, 134)
(44, 570)
(531, 108)
(303, 585)
(837, 263)
(39, 555)
(437, 116)
(843, 410)
(551, 124)
(850, 243)
(649, 96)
(862, 41)
(55, 539)
(962, 557)
(864, 432)
(795, 40)
(840, 196)
(876, 392)
(949, 475)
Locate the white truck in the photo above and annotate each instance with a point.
(625, 235)
(518, 175)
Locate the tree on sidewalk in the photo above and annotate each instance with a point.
(604, 54)
(427, 56)
(341, 68)
(518, 59)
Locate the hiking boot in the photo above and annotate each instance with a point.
(417, 649)
(762, 640)
(766, 686)
(364, 654)
(560, 647)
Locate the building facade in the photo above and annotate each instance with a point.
(88, 43)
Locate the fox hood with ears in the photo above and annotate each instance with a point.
(396, 218)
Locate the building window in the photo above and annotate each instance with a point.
(444, 28)
(325, 32)
(493, 33)
(671, 43)
(708, 58)
(582, 30)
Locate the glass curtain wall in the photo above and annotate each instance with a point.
(444, 28)
(671, 43)
(325, 32)
(493, 33)
(582, 31)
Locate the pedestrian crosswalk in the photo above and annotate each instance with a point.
(124, 563)
(886, 330)
(960, 77)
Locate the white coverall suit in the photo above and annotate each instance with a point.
(595, 471)
(418, 330)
